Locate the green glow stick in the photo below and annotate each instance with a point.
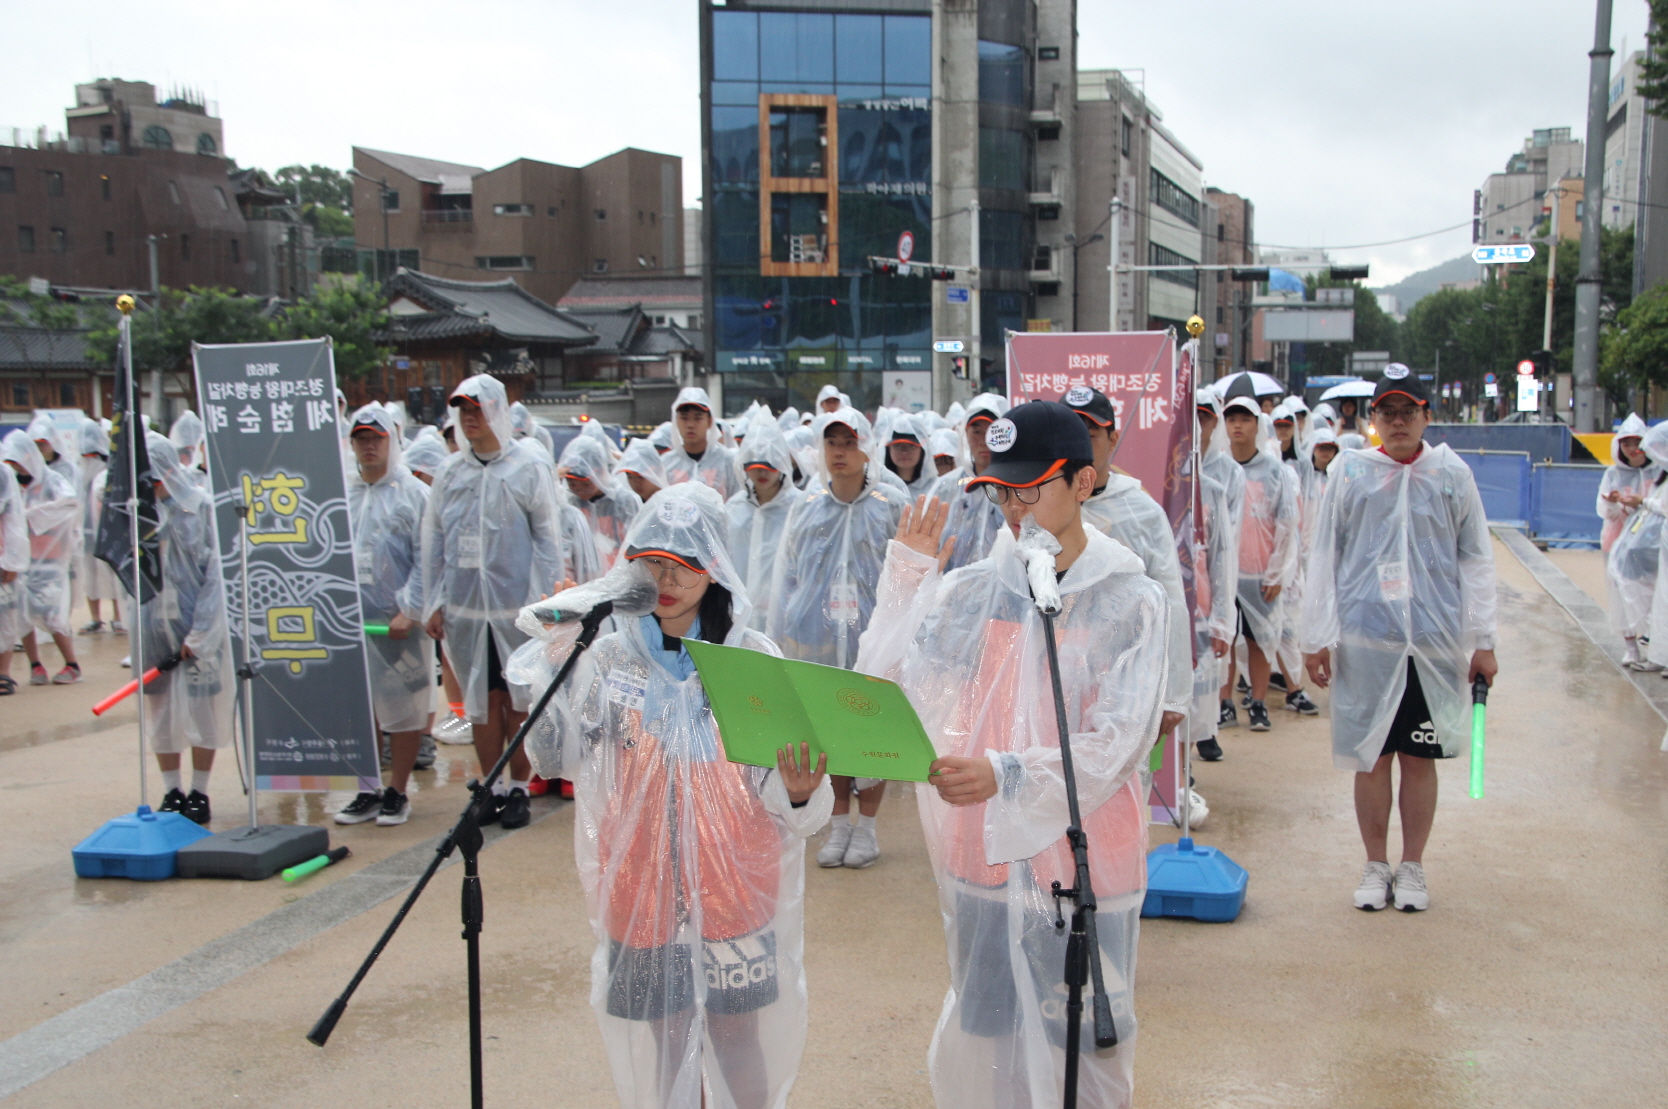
(376, 629)
(315, 864)
(1156, 759)
(1479, 715)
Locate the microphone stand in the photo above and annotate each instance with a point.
(466, 838)
(1083, 943)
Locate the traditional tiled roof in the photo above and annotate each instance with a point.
(615, 328)
(500, 308)
(673, 291)
(37, 348)
(661, 341)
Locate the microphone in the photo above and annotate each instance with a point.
(626, 590)
(1038, 548)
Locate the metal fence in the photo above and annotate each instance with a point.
(1550, 501)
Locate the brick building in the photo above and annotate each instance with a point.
(1227, 337)
(542, 225)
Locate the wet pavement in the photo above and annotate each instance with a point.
(1536, 978)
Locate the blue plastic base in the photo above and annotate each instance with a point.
(1186, 880)
(140, 845)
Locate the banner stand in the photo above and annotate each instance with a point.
(255, 851)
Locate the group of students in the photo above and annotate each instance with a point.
(888, 547)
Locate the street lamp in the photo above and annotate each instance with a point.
(382, 184)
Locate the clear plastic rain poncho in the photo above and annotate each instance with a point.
(387, 519)
(96, 580)
(967, 648)
(642, 459)
(693, 866)
(944, 443)
(973, 519)
(829, 392)
(1620, 477)
(426, 451)
(1631, 567)
(828, 562)
(523, 426)
(53, 513)
(189, 439)
(788, 420)
(1269, 539)
(43, 427)
(756, 529)
(906, 428)
(14, 555)
(1124, 511)
(1288, 658)
(610, 512)
(1222, 497)
(1402, 570)
(716, 466)
(494, 540)
(191, 705)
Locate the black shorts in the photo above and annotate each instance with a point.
(648, 983)
(495, 672)
(1244, 624)
(1412, 731)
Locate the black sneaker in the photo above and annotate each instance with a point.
(491, 808)
(362, 808)
(395, 808)
(1209, 749)
(1277, 680)
(196, 808)
(1257, 716)
(1298, 702)
(174, 801)
(425, 752)
(1228, 717)
(1243, 686)
(516, 810)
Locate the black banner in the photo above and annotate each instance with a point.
(114, 544)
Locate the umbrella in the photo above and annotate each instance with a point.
(1261, 384)
(1357, 388)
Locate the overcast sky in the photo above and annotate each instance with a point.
(1344, 122)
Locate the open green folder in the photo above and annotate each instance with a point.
(762, 703)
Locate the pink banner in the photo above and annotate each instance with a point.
(1150, 385)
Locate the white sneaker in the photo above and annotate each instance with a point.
(1197, 810)
(454, 731)
(1646, 666)
(127, 662)
(863, 850)
(1411, 896)
(833, 852)
(1373, 893)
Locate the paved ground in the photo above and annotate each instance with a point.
(1535, 980)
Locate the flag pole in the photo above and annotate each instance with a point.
(132, 420)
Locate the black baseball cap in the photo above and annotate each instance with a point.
(1091, 404)
(1399, 379)
(1032, 442)
(367, 425)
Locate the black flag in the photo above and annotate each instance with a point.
(115, 535)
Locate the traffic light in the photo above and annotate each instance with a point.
(1543, 364)
(892, 267)
(1250, 273)
(1348, 273)
(886, 267)
(960, 366)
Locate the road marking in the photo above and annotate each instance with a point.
(72, 1035)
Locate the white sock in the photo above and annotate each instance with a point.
(199, 780)
(500, 788)
(866, 822)
(522, 786)
(170, 780)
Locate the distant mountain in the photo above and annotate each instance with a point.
(1410, 289)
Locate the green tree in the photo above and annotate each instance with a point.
(1634, 349)
(1653, 67)
(22, 308)
(1374, 329)
(326, 197)
(350, 313)
(162, 337)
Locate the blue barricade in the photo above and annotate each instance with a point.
(1541, 442)
(1563, 504)
(1503, 479)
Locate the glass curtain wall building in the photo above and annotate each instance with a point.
(818, 143)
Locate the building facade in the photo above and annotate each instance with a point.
(542, 225)
(1509, 205)
(1227, 340)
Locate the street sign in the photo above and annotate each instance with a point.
(1491, 390)
(1526, 368)
(906, 246)
(948, 346)
(1488, 379)
(1528, 395)
(957, 294)
(1506, 252)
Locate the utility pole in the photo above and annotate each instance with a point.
(1551, 270)
(156, 317)
(1114, 237)
(1589, 284)
(976, 364)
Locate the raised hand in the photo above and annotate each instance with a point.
(921, 529)
(801, 781)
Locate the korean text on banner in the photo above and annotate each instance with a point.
(270, 413)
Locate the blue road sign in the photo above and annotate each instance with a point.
(948, 346)
(956, 294)
(1506, 252)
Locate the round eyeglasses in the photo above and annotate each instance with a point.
(1030, 494)
(664, 570)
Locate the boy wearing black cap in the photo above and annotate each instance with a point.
(1399, 620)
(1124, 510)
(967, 646)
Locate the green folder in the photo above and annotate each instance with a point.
(762, 703)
